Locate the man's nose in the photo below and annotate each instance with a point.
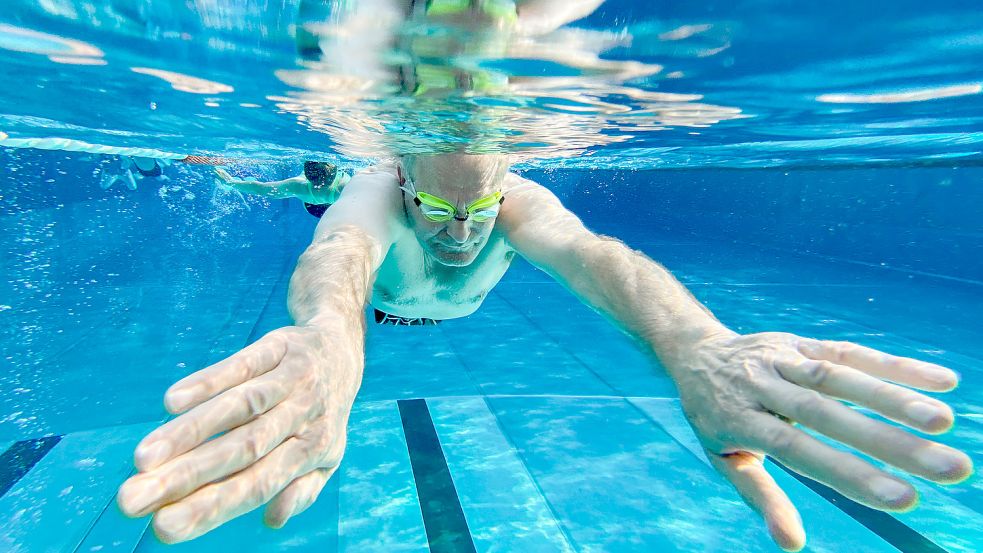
(459, 230)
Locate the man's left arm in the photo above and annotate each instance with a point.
(741, 392)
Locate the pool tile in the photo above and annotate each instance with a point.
(379, 506)
(504, 507)
(506, 354)
(589, 338)
(412, 362)
(618, 482)
(316, 529)
(827, 528)
(53, 506)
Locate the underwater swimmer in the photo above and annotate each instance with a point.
(429, 237)
(318, 187)
(145, 166)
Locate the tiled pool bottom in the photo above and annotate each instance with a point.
(534, 426)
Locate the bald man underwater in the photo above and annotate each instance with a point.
(426, 238)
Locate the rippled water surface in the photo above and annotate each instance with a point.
(751, 83)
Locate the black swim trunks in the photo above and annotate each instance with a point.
(155, 172)
(384, 318)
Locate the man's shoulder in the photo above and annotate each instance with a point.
(522, 190)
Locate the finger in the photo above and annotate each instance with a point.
(759, 490)
(226, 411)
(894, 402)
(228, 454)
(252, 361)
(296, 497)
(222, 501)
(888, 443)
(842, 471)
(903, 370)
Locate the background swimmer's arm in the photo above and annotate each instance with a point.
(741, 392)
(294, 187)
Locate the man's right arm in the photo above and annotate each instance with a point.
(333, 277)
(279, 407)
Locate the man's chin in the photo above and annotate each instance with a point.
(454, 258)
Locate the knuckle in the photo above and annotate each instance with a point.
(807, 403)
(255, 400)
(842, 349)
(253, 446)
(816, 374)
(784, 441)
(263, 490)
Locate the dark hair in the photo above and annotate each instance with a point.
(320, 173)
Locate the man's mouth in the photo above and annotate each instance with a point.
(455, 248)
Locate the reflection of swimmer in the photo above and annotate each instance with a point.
(144, 166)
(318, 187)
(525, 17)
(513, 83)
(427, 238)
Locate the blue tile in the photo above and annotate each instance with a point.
(18, 459)
(618, 482)
(53, 506)
(590, 339)
(316, 529)
(827, 527)
(379, 506)
(504, 507)
(412, 362)
(505, 354)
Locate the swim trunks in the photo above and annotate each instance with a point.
(384, 318)
(155, 172)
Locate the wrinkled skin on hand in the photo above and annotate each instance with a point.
(283, 403)
(742, 392)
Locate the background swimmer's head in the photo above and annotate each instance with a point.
(459, 179)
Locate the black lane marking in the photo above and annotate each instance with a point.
(21, 457)
(890, 529)
(443, 517)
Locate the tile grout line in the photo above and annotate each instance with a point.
(553, 339)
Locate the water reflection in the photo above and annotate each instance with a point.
(518, 81)
(901, 96)
(58, 49)
(630, 85)
(185, 83)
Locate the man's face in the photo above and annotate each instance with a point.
(459, 179)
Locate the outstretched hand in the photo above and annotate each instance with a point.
(283, 405)
(744, 394)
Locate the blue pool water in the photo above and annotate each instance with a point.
(532, 425)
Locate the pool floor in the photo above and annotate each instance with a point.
(530, 426)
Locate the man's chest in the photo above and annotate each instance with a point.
(408, 285)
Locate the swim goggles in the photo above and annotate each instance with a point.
(499, 9)
(439, 210)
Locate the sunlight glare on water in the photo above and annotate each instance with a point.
(584, 83)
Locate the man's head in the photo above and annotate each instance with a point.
(460, 180)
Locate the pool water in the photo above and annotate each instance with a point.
(799, 171)
(548, 429)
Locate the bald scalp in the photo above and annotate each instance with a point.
(448, 173)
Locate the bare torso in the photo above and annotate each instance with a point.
(412, 284)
